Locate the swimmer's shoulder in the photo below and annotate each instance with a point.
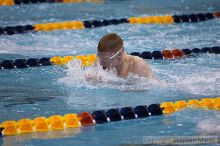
(135, 60)
(140, 66)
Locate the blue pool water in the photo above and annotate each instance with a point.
(44, 91)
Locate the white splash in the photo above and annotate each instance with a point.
(96, 77)
(190, 78)
(205, 83)
(210, 126)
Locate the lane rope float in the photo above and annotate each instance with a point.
(73, 120)
(77, 25)
(91, 58)
(46, 61)
(21, 2)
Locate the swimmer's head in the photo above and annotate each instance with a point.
(110, 50)
(110, 43)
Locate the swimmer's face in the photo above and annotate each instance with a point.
(110, 59)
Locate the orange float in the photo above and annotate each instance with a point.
(85, 118)
(167, 54)
(177, 53)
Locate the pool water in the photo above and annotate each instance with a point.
(45, 91)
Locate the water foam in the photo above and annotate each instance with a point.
(210, 126)
(204, 82)
(194, 76)
(95, 77)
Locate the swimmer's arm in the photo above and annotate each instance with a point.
(142, 69)
(92, 77)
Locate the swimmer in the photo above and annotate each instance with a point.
(112, 55)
